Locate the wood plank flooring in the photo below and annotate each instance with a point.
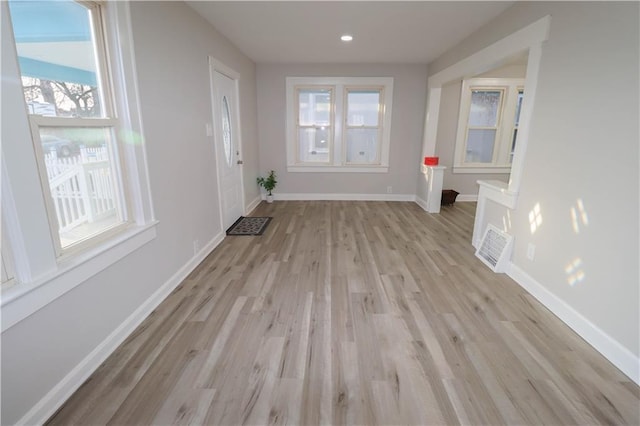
(352, 313)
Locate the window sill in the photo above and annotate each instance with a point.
(338, 169)
(23, 299)
(481, 170)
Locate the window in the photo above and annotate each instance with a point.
(314, 124)
(516, 122)
(72, 102)
(488, 125)
(338, 124)
(363, 125)
(66, 85)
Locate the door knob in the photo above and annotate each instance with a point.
(239, 162)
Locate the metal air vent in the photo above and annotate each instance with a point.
(495, 248)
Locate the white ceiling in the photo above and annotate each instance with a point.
(383, 31)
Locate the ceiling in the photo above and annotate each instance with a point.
(383, 31)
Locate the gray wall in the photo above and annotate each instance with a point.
(38, 352)
(409, 94)
(583, 146)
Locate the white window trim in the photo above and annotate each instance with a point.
(504, 127)
(340, 85)
(31, 293)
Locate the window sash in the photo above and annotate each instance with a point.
(328, 127)
(347, 127)
(516, 122)
(496, 127)
(116, 173)
(108, 121)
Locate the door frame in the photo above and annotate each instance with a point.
(216, 65)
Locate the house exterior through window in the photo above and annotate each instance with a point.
(67, 90)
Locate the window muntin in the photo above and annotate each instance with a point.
(343, 127)
(487, 126)
(62, 58)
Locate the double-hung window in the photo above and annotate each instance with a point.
(338, 124)
(488, 125)
(62, 54)
(70, 101)
(363, 125)
(314, 124)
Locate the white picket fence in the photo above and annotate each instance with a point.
(81, 187)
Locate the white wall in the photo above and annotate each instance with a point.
(583, 146)
(172, 45)
(409, 94)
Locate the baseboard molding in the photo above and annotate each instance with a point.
(610, 348)
(465, 198)
(252, 205)
(343, 197)
(54, 399)
(422, 203)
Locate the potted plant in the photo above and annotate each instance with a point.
(269, 184)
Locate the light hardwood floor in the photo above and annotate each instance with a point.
(353, 313)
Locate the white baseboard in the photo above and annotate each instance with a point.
(422, 203)
(252, 205)
(62, 391)
(343, 197)
(464, 198)
(610, 348)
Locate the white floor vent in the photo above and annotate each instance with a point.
(495, 249)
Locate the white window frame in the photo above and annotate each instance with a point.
(109, 120)
(502, 153)
(40, 275)
(337, 149)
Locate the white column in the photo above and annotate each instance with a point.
(434, 187)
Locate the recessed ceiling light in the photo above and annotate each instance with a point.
(346, 37)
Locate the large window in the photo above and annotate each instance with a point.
(69, 102)
(66, 84)
(338, 124)
(488, 125)
(363, 125)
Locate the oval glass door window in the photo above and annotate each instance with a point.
(226, 130)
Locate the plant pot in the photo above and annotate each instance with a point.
(269, 198)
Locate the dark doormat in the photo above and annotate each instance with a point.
(249, 226)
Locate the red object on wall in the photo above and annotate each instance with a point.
(431, 161)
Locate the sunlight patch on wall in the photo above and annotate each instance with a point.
(579, 216)
(535, 218)
(574, 271)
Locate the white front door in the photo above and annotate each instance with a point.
(227, 141)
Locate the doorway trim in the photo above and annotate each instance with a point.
(529, 38)
(217, 65)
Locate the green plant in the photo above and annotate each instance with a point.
(269, 183)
